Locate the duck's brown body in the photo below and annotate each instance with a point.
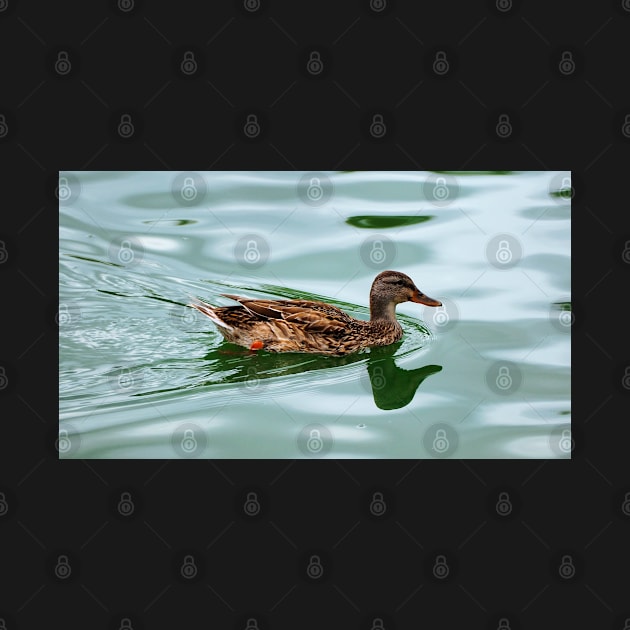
(305, 326)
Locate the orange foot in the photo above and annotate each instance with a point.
(257, 345)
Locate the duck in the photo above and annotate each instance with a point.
(316, 327)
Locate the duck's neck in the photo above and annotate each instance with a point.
(382, 310)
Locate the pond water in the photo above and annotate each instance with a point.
(142, 375)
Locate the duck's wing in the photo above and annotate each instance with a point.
(312, 316)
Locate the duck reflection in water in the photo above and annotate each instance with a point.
(392, 387)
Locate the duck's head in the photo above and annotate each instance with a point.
(395, 287)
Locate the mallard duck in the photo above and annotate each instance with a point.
(305, 326)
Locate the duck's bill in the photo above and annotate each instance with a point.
(421, 298)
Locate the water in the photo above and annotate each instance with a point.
(141, 375)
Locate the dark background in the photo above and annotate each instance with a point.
(70, 72)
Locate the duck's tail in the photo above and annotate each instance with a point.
(209, 311)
